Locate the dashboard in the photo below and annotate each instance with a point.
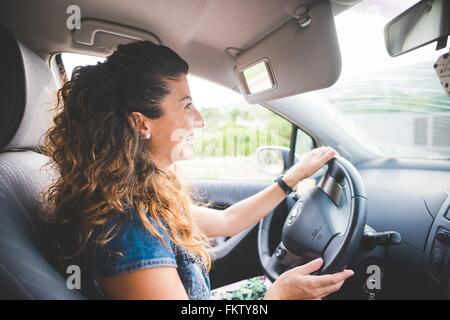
(412, 198)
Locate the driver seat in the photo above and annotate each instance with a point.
(27, 88)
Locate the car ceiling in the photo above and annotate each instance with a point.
(199, 30)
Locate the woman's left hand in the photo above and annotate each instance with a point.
(309, 164)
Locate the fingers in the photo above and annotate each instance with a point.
(310, 267)
(325, 291)
(331, 279)
(327, 284)
(298, 283)
(327, 155)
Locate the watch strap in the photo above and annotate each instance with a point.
(283, 185)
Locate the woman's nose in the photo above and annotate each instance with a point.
(199, 122)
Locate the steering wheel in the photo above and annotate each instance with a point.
(328, 222)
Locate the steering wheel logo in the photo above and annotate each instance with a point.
(295, 212)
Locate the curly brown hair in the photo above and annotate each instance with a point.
(104, 166)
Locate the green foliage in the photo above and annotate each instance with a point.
(252, 289)
(240, 131)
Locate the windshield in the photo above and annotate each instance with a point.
(397, 104)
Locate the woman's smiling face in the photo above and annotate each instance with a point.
(172, 134)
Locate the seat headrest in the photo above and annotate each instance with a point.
(27, 93)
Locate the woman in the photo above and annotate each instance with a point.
(120, 211)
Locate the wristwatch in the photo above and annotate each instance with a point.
(283, 185)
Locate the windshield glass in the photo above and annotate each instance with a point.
(397, 105)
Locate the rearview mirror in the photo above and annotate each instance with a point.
(425, 22)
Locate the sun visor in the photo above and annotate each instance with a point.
(299, 56)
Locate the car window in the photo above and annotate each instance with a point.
(396, 104)
(72, 60)
(303, 143)
(226, 147)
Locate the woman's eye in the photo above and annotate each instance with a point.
(188, 106)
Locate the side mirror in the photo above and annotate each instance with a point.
(273, 160)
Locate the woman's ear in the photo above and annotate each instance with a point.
(140, 123)
(133, 119)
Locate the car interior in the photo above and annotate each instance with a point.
(370, 208)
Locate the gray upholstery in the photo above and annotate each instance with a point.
(27, 92)
(26, 88)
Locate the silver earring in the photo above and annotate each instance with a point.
(147, 136)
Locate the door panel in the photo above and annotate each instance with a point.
(234, 258)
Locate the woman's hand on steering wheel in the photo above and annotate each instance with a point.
(309, 164)
(299, 284)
